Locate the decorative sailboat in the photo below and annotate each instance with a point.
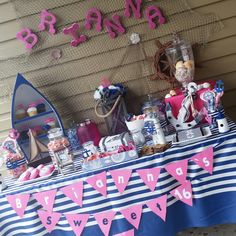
(34, 146)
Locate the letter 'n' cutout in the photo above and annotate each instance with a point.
(114, 27)
(72, 31)
(153, 12)
(136, 9)
(93, 16)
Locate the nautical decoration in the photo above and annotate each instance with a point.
(25, 93)
(222, 123)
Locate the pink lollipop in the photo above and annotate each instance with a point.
(24, 176)
(34, 174)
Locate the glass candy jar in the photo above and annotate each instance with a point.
(180, 55)
(59, 148)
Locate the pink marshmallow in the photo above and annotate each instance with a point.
(45, 171)
(40, 167)
(24, 176)
(34, 174)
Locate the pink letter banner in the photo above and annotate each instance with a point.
(121, 178)
(99, 182)
(133, 214)
(149, 177)
(49, 219)
(19, 203)
(77, 222)
(178, 170)
(74, 192)
(46, 199)
(158, 206)
(104, 220)
(184, 193)
(127, 233)
(205, 159)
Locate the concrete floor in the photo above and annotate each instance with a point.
(221, 230)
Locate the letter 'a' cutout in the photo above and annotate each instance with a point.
(153, 12)
(114, 27)
(93, 16)
(136, 8)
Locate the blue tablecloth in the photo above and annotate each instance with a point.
(214, 196)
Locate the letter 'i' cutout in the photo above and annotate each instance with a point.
(27, 37)
(73, 32)
(136, 9)
(47, 19)
(153, 12)
(93, 16)
(114, 27)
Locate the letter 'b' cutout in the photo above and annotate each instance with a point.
(153, 12)
(27, 37)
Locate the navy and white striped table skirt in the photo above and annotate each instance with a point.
(214, 196)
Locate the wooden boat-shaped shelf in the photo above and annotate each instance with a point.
(25, 93)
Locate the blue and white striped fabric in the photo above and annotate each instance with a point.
(214, 196)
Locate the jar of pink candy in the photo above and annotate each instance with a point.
(15, 164)
(59, 148)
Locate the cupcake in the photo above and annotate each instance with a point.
(41, 106)
(32, 110)
(20, 112)
(51, 122)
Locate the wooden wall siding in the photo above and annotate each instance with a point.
(85, 65)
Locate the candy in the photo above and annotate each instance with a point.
(189, 64)
(24, 176)
(34, 174)
(179, 64)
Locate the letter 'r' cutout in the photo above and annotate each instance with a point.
(47, 19)
(153, 12)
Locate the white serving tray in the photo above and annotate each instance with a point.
(34, 180)
(206, 133)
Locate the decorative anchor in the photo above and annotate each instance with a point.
(184, 113)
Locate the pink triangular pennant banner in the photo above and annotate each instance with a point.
(121, 178)
(74, 192)
(178, 170)
(127, 233)
(19, 203)
(133, 214)
(205, 159)
(104, 221)
(99, 182)
(46, 199)
(158, 206)
(149, 176)
(77, 222)
(184, 193)
(49, 219)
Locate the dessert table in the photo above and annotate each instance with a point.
(214, 196)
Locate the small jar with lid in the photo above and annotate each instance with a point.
(32, 110)
(41, 107)
(59, 148)
(20, 112)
